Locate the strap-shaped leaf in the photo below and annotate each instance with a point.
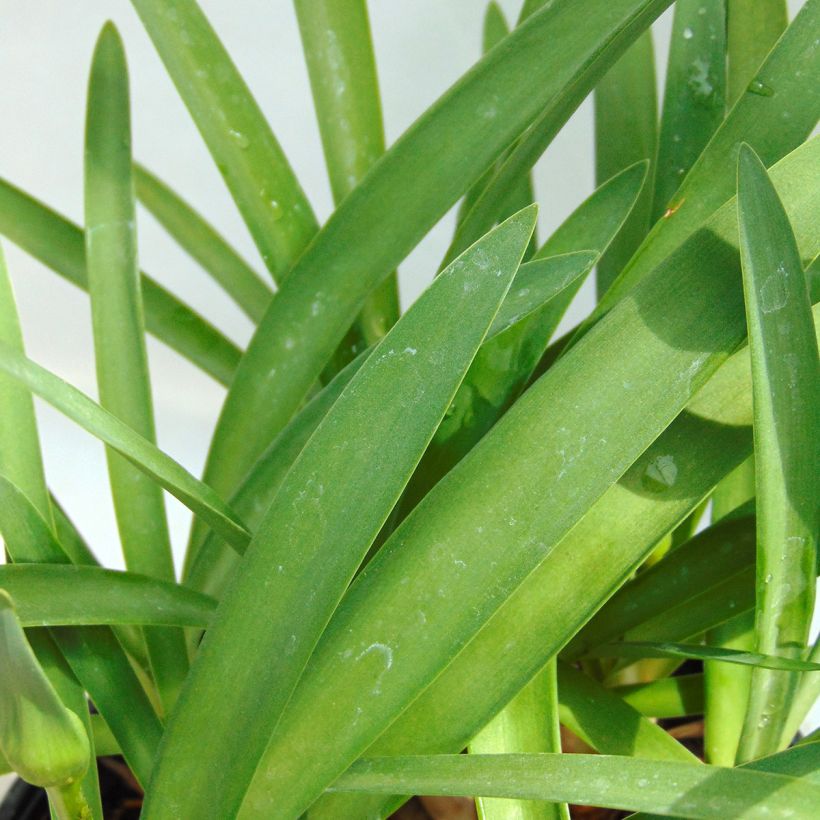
(319, 527)
(626, 132)
(95, 656)
(694, 101)
(603, 720)
(20, 456)
(339, 53)
(786, 390)
(217, 258)
(198, 497)
(21, 460)
(528, 724)
(412, 186)
(675, 697)
(212, 564)
(239, 138)
(504, 508)
(753, 27)
(802, 760)
(772, 124)
(505, 183)
(659, 786)
(652, 649)
(64, 595)
(536, 284)
(705, 442)
(59, 244)
(119, 337)
(489, 389)
(726, 685)
(709, 558)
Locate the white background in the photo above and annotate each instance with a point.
(422, 47)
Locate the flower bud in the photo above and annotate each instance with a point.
(42, 740)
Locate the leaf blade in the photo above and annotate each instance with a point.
(119, 336)
(626, 132)
(662, 787)
(59, 244)
(694, 102)
(310, 542)
(434, 163)
(785, 381)
(201, 241)
(197, 496)
(236, 133)
(65, 595)
(338, 50)
(508, 448)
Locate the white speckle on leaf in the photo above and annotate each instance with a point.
(387, 656)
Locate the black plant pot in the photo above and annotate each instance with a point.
(122, 798)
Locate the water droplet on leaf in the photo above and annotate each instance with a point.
(760, 88)
(661, 473)
(239, 138)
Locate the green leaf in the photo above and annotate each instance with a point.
(535, 284)
(753, 28)
(610, 725)
(727, 685)
(805, 699)
(521, 192)
(694, 102)
(494, 30)
(503, 527)
(342, 69)
(204, 244)
(195, 495)
(661, 786)
(680, 696)
(704, 562)
(706, 441)
(43, 740)
(801, 761)
(119, 337)
(94, 654)
(773, 124)
(626, 132)
(20, 456)
(21, 459)
(502, 368)
(239, 138)
(412, 186)
(210, 566)
(529, 723)
(786, 390)
(64, 595)
(318, 529)
(713, 606)
(505, 183)
(59, 244)
(652, 649)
